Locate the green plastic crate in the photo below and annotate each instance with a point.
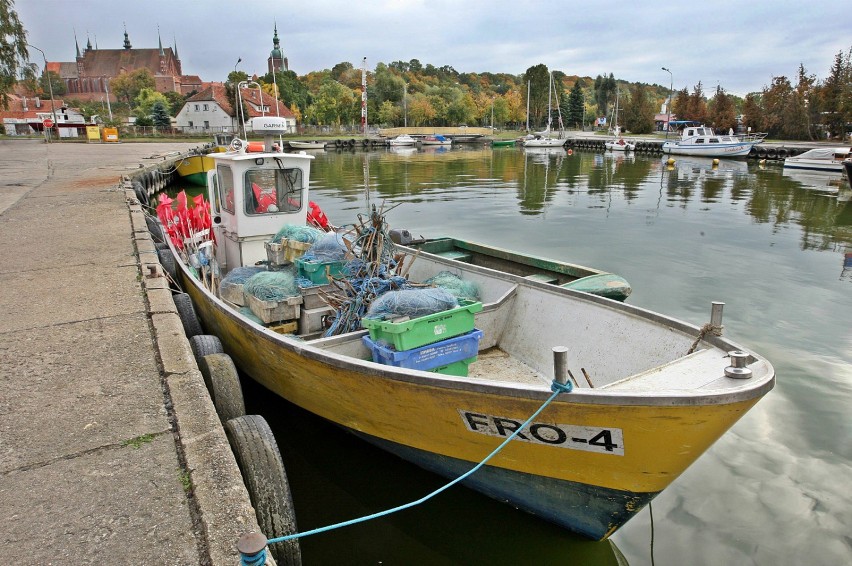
(458, 369)
(316, 270)
(425, 329)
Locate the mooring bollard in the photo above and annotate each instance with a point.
(252, 549)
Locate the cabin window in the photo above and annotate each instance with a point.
(272, 191)
(714, 140)
(699, 140)
(226, 180)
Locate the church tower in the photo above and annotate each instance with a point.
(276, 61)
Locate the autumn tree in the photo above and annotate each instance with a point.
(680, 104)
(696, 106)
(721, 113)
(774, 100)
(753, 113)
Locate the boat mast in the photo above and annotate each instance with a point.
(528, 107)
(364, 96)
(549, 93)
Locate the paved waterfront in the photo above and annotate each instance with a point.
(110, 449)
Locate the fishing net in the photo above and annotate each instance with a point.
(304, 234)
(237, 276)
(412, 303)
(246, 312)
(330, 247)
(460, 288)
(272, 285)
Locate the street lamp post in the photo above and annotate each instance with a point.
(669, 105)
(50, 86)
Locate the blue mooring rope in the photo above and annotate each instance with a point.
(260, 557)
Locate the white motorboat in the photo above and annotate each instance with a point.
(829, 159)
(704, 142)
(620, 145)
(403, 140)
(437, 139)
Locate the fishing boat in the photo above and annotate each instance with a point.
(702, 141)
(827, 159)
(437, 139)
(567, 275)
(545, 138)
(300, 144)
(639, 398)
(194, 168)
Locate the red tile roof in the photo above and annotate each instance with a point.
(217, 94)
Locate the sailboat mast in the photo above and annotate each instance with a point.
(549, 94)
(528, 106)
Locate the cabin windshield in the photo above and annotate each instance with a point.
(226, 187)
(273, 191)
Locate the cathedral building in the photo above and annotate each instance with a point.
(277, 61)
(88, 77)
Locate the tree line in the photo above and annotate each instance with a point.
(416, 94)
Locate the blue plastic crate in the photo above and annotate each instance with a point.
(435, 355)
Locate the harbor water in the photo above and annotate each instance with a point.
(772, 246)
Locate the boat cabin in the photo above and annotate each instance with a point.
(254, 190)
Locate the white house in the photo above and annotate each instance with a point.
(211, 111)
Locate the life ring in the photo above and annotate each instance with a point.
(259, 460)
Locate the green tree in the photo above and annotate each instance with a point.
(389, 113)
(420, 110)
(127, 87)
(160, 115)
(387, 85)
(538, 78)
(333, 104)
(14, 57)
(639, 111)
(574, 106)
(774, 100)
(604, 90)
(339, 69)
(680, 105)
(835, 96)
(175, 101)
(52, 80)
(146, 99)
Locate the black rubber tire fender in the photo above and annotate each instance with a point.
(155, 228)
(223, 383)
(167, 260)
(186, 312)
(204, 345)
(259, 459)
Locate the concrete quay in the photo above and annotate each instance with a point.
(110, 449)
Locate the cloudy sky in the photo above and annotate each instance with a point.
(740, 45)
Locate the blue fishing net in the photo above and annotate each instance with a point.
(359, 293)
(272, 285)
(246, 312)
(460, 288)
(330, 247)
(304, 234)
(413, 303)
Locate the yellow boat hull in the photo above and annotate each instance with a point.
(586, 465)
(194, 169)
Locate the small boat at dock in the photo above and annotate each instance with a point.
(437, 139)
(567, 275)
(620, 400)
(503, 143)
(299, 144)
(403, 140)
(826, 159)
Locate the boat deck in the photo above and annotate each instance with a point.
(494, 364)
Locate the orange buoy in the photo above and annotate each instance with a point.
(255, 147)
(570, 152)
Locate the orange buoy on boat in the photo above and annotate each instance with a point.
(255, 147)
